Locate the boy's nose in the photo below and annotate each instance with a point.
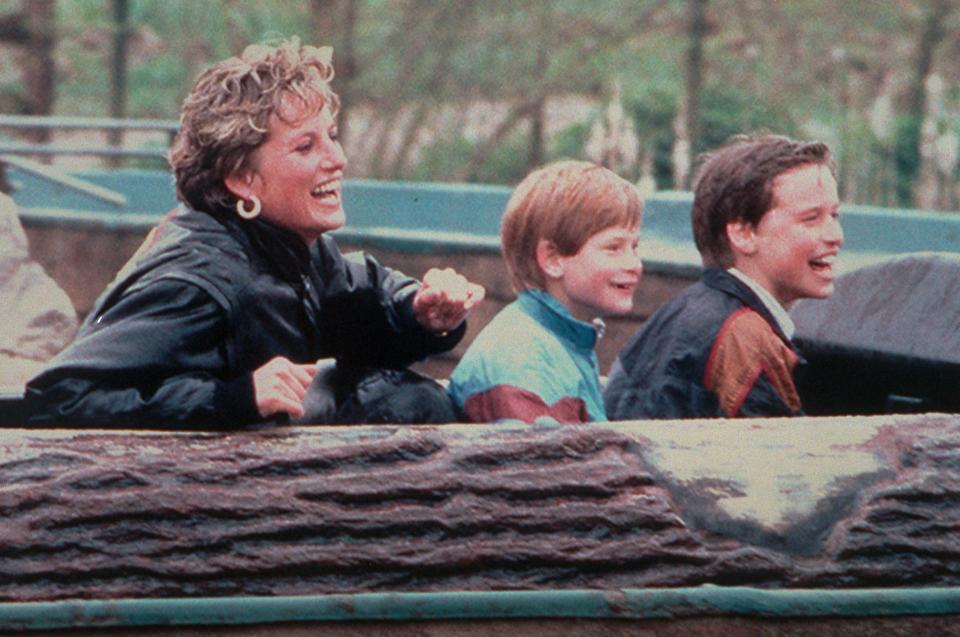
(633, 263)
(833, 231)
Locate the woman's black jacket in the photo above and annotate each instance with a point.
(175, 339)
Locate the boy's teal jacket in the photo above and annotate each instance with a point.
(533, 361)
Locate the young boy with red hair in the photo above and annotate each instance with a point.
(570, 238)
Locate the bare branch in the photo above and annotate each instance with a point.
(13, 28)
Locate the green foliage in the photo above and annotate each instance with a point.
(724, 110)
(508, 163)
(772, 66)
(170, 42)
(727, 111)
(653, 114)
(859, 157)
(906, 157)
(444, 159)
(439, 160)
(165, 76)
(12, 98)
(569, 142)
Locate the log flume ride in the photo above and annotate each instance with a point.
(845, 522)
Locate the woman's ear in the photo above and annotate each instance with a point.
(742, 236)
(240, 183)
(549, 259)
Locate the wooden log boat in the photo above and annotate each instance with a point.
(849, 525)
(834, 525)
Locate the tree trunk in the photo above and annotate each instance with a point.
(536, 152)
(347, 65)
(686, 126)
(447, 21)
(323, 21)
(390, 120)
(118, 76)
(693, 76)
(907, 159)
(538, 125)
(38, 72)
(334, 24)
(293, 511)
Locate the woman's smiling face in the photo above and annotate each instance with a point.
(298, 172)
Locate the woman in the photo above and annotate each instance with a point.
(219, 318)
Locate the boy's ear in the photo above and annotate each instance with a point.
(549, 259)
(742, 237)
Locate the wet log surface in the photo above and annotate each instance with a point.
(868, 502)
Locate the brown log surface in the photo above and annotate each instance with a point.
(455, 507)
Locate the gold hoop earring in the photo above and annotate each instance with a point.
(253, 213)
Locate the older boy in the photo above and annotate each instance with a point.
(766, 224)
(570, 238)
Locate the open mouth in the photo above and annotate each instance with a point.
(626, 287)
(823, 264)
(328, 192)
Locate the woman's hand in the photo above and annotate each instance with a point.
(445, 299)
(280, 386)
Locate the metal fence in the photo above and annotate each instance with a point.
(15, 153)
(33, 123)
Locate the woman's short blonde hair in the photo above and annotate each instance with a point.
(227, 113)
(565, 202)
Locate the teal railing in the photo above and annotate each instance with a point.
(621, 604)
(463, 217)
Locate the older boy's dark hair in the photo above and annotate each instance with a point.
(735, 183)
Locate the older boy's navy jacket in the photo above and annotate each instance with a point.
(713, 351)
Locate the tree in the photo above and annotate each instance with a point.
(577, 38)
(688, 127)
(118, 64)
(447, 89)
(907, 155)
(333, 22)
(32, 28)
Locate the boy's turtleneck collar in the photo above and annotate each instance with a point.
(548, 310)
(780, 314)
